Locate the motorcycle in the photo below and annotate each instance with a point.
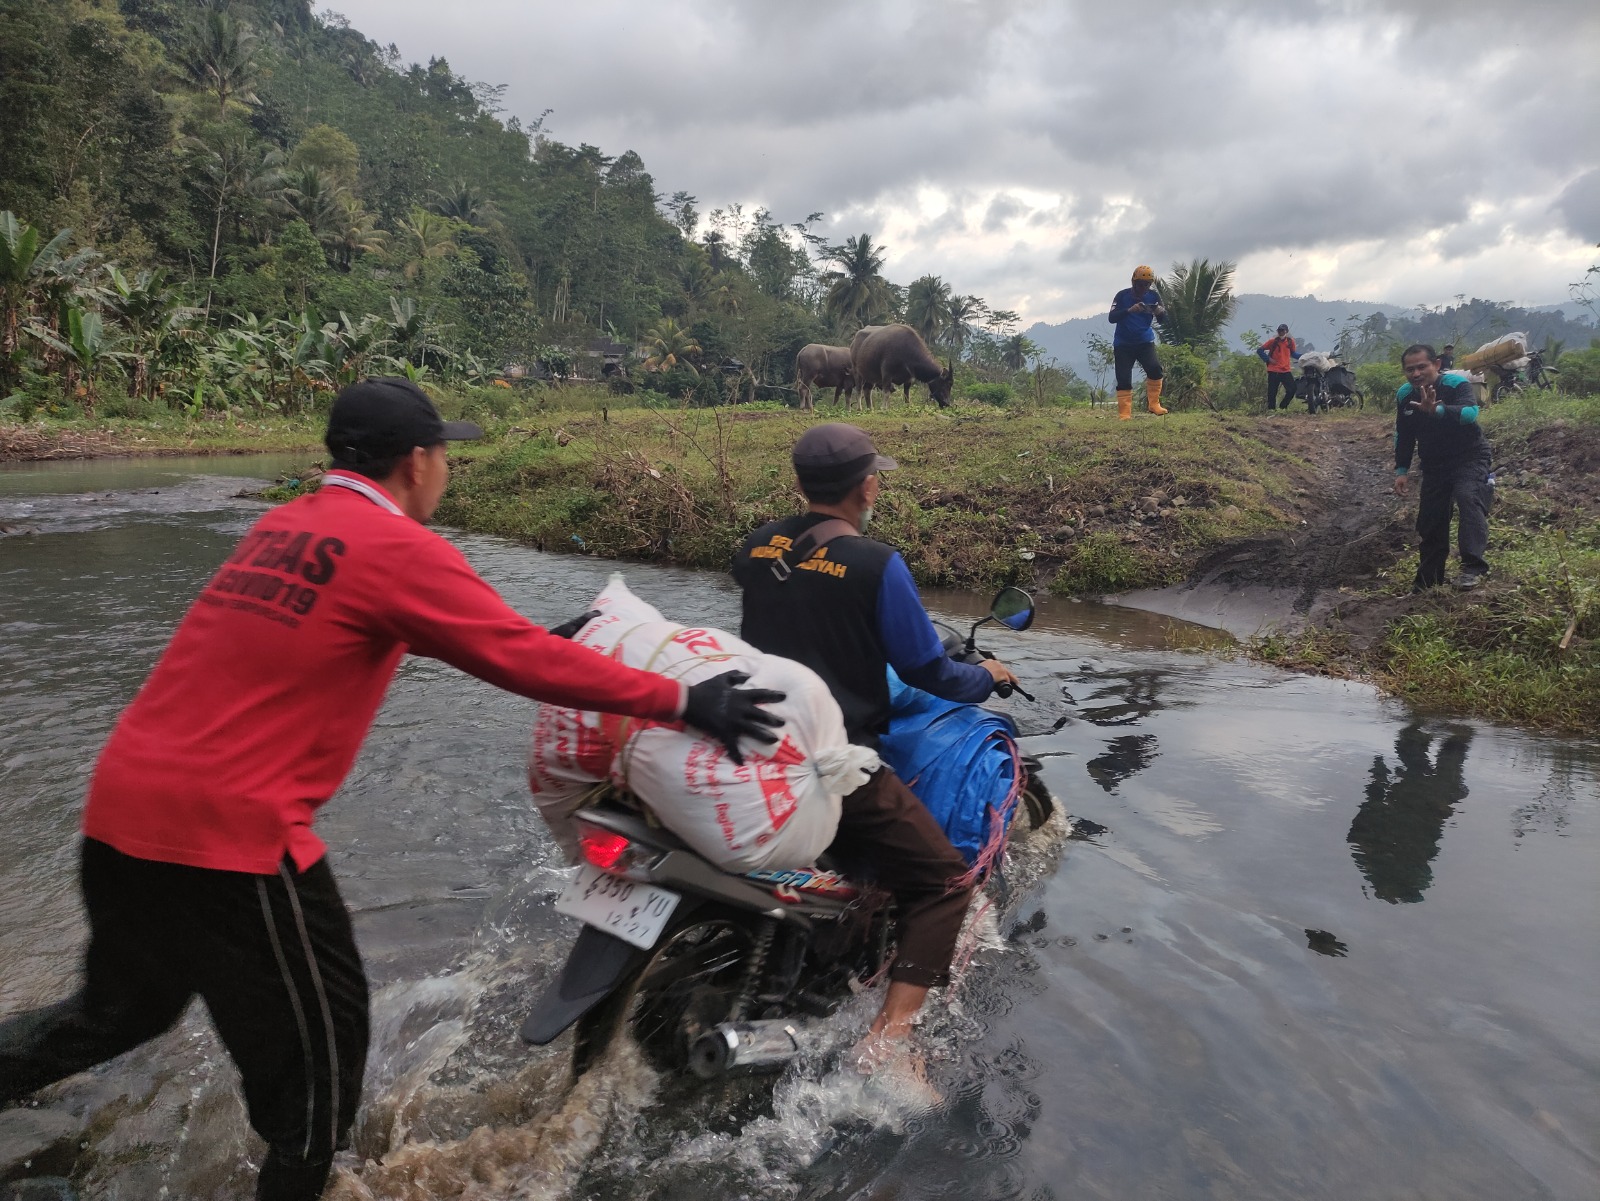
(712, 972)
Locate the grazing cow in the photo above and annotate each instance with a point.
(826, 367)
(891, 356)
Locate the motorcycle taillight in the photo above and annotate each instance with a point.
(604, 849)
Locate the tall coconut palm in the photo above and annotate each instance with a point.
(857, 292)
(354, 232)
(670, 346)
(928, 307)
(1199, 301)
(220, 57)
(424, 239)
(228, 170)
(1015, 352)
(966, 314)
(460, 201)
(315, 197)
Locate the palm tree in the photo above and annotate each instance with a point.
(928, 307)
(670, 346)
(219, 57)
(1015, 352)
(228, 172)
(354, 232)
(857, 292)
(316, 198)
(1199, 300)
(426, 238)
(966, 314)
(463, 202)
(22, 261)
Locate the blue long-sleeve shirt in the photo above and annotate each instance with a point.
(913, 645)
(1133, 329)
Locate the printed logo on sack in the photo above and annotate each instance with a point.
(772, 774)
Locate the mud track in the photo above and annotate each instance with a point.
(1351, 526)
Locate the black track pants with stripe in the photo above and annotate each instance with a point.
(275, 961)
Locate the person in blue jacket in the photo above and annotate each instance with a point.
(1436, 416)
(1134, 311)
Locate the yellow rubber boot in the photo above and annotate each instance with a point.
(1152, 396)
(1125, 405)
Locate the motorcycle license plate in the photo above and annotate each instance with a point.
(631, 911)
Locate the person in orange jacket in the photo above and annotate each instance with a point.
(1134, 311)
(1279, 354)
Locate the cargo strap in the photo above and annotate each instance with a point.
(810, 544)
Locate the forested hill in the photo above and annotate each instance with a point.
(228, 141)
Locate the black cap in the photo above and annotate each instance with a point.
(837, 457)
(1283, 329)
(385, 416)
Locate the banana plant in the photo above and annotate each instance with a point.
(88, 345)
(150, 312)
(22, 260)
(358, 347)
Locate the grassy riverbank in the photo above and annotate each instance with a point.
(1073, 500)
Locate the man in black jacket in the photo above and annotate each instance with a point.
(1436, 415)
(818, 592)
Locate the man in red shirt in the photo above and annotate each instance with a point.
(1279, 354)
(200, 870)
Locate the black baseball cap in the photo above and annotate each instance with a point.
(835, 457)
(385, 416)
(1283, 329)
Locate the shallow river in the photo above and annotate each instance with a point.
(1323, 947)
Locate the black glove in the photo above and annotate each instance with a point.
(721, 708)
(568, 628)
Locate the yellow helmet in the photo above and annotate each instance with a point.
(1143, 273)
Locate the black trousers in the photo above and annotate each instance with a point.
(1276, 380)
(888, 836)
(275, 961)
(1464, 487)
(1124, 357)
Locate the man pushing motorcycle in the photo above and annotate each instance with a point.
(200, 871)
(818, 591)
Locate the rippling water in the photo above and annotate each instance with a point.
(1323, 947)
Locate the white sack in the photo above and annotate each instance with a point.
(1317, 360)
(779, 810)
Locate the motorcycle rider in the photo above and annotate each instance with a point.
(200, 870)
(818, 591)
(1279, 353)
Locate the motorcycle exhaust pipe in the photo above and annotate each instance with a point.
(744, 1047)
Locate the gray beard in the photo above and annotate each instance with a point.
(866, 518)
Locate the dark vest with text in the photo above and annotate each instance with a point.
(825, 615)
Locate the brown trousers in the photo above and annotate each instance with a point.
(888, 836)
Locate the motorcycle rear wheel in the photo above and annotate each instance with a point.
(686, 986)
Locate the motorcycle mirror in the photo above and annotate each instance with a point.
(1012, 608)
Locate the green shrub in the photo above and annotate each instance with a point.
(1580, 372)
(999, 395)
(1380, 381)
(1187, 376)
(1101, 562)
(1239, 381)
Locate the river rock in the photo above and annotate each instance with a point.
(1150, 504)
(1097, 510)
(26, 1134)
(1231, 513)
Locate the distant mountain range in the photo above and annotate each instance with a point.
(1314, 323)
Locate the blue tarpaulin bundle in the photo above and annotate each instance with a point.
(959, 759)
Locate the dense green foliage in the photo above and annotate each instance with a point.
(293, 206)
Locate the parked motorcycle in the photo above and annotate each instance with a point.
(712, 972)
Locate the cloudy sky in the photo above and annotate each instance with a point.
(1034, 151)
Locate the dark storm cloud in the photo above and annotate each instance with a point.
(1025, 146)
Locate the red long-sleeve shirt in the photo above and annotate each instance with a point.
(256, 710)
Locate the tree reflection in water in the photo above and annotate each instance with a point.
(1396, 832)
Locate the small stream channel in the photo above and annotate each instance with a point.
(1323, 948)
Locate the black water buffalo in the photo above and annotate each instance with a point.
(891, 356)
(824, 367)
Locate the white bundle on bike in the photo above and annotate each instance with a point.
(780, 809)
(1497, 353)
(1317, 361)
